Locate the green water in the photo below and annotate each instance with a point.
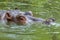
(41, 9)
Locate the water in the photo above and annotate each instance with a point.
(37, 31)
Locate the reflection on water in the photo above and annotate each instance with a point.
(35, 31)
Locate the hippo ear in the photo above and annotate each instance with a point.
(8, 16)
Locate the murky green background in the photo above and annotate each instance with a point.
(40, 8)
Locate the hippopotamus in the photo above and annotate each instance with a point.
(28, 16)
(20, 17)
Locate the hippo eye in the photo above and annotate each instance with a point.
(21, 18)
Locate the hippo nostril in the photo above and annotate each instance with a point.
(53, 19)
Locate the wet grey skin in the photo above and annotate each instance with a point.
(11, 12)
(34, 19)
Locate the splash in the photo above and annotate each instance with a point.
(55, 24)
